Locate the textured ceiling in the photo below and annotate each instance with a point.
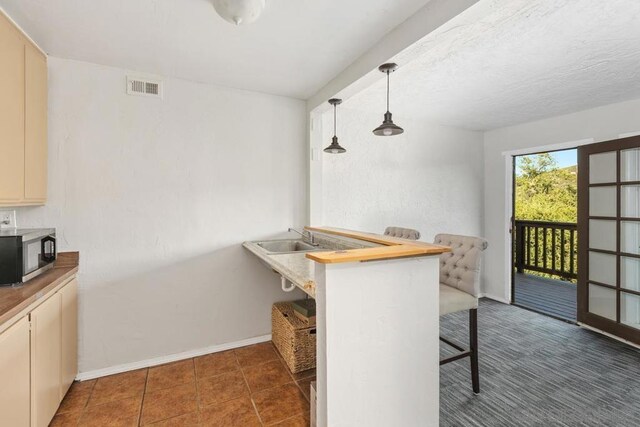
(504, 62)
(295, 48)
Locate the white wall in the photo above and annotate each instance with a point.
(158, 195)
(429, 178)
(600, 124)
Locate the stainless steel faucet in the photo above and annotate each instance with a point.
(306, 236)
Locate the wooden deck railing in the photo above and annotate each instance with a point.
(546, 247)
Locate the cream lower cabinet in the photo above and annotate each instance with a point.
(15, 392)
(46, 356)
(38, 360)
(69, 336)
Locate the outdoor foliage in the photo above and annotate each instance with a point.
(545, 192)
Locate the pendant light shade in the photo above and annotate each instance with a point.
(334, 148)
(388, 128)
(239, 12)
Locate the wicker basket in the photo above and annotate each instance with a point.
(294, 339)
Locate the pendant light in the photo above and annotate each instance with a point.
(388, 128)
(239, 12)
(334, 148)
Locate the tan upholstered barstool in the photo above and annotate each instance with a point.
(404, 233)
(459, 290)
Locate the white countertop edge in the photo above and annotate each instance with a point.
(306, 284)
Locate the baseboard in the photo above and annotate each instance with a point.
(89, 375)
(591, 328)
(495, 298)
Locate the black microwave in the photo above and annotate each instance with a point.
(25, 253)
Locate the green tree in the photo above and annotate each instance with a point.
(545, 192)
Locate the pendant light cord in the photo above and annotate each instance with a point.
(334, 119)
(388, 91)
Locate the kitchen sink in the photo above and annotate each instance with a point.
(288, 246)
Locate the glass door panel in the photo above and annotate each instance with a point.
(602, 301)
(630, 273)
(630, 201)
(602, 234)
(630, 310)
(603, 201)
(602, 168)
(630, 165)
(630, 237)
(602, 268)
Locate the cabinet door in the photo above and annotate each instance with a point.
(35, 131)
(45, 361)
(14, 375)
(69, 296)
(11, 113)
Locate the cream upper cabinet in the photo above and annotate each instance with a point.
(14, 375)
(35, 129)
(12, 77)
(23, 119)
(69, 319)
(45, 360)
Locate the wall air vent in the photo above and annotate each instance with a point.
(144, 87)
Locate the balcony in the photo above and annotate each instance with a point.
(545, 266)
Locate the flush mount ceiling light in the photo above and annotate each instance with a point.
(335, 148)
(239, 12)
(388, 128)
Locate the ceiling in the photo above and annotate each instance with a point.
(504, 62)
(294, 49)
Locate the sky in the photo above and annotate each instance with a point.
(564, 158)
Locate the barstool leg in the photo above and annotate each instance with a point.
(473, 346)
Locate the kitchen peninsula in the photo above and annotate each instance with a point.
(377, 324)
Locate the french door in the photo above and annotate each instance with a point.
(609, 237)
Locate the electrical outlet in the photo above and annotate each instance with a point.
(7, 219)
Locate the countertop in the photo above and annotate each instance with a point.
(296, 267)
(389, 247)
(13, 300)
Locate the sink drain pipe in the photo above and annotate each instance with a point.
(284, 285)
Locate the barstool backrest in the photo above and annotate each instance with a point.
(403, 233)
(460, 268)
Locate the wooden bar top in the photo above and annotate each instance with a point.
(392, 247)
(13, 300)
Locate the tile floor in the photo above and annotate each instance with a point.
(249, 386)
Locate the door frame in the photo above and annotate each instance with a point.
(614, 328)
(510, 201)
